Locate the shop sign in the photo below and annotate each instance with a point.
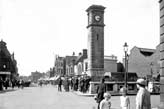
(7, 73)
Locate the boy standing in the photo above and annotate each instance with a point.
(105, 103)
(124, 99)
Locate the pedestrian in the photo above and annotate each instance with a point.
(18, 83)
(21, 84)
(81, 84)
(143, 96)
(40, 83)
(12, 83)
(66, 85)
(1, 83)
(6, 83)
(106, 103)
(124, 99)
(71, 83)
(101, 89)
(76, 82)
(59, 84)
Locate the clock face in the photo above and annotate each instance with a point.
(97, 17)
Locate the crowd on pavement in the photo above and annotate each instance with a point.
(6, 83)
(74, 83)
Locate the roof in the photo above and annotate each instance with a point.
(93, 7)
(80, 58)
(145, 51)
(69, 59)
(3, 48)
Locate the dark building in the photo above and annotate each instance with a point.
(52, 72)
(8, 64)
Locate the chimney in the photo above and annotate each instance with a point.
(79, 53)
(73, 54)
(84, 52)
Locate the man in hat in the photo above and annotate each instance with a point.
(143, 96)
(101, 89)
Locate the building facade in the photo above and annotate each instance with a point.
(69, 65)
(64, 66)
(145, 62)
(35, 76)
(161, 54)
(8, 64)
(110, 63)
(80, 65)
(59, 66)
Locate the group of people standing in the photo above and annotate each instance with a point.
(74, 83)
(142, 98)
(4, 84)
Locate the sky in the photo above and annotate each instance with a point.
(37, 30)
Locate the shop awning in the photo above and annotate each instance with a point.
(107, 74)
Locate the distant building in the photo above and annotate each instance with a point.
(36, 75)
(144, 61)
(110, 63)
(8, 64)
(52, 72)
(80, 63)
(69, 62)
(64, 65)
(59, 65)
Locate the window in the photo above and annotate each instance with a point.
(97, 36)
(86, 66)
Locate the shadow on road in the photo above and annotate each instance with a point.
(9, 90)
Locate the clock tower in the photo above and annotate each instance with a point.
(95, 41)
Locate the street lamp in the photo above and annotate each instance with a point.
(125, 50)
(151, 69)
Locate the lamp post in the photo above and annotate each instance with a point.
(127, 63)
(125, 75)
(151, 69)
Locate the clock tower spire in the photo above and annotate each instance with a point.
(95, 41)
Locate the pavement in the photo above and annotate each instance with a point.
(47, 97)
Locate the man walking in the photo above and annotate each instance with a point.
(59, 84)
(143, 96)
(101, 89)
(1, 83)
